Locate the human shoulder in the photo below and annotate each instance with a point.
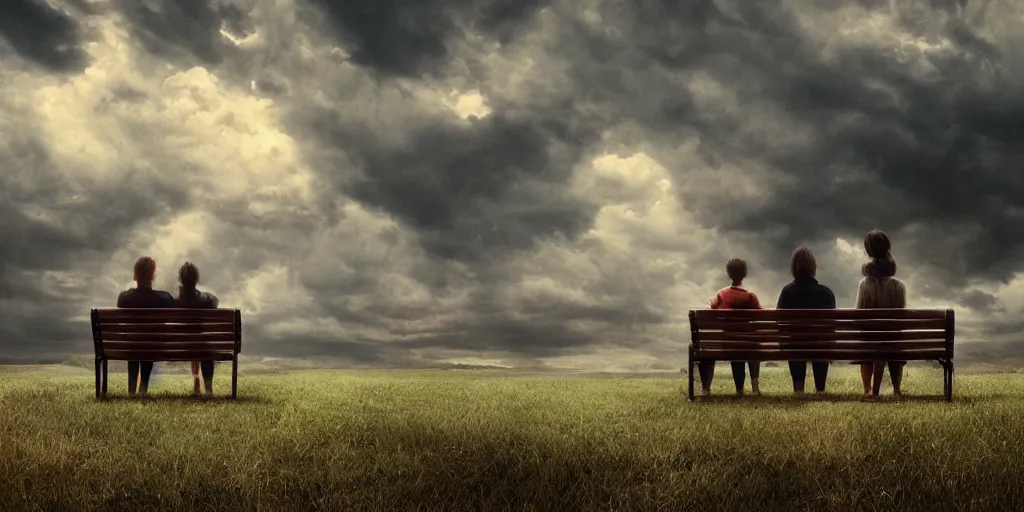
(789, 287)
(826, 297)
(209, 299)
(164, 297)
(826, 290)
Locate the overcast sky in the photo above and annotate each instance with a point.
(507, 181)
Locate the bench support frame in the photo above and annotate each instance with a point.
(102, 366)
(946, 363)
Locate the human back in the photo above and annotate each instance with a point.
(735, 297)
(881, 293)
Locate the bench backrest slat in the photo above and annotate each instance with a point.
(164, 315)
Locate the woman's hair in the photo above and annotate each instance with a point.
(737, 270)
(188, 275)
(878, 247)
(802, 264)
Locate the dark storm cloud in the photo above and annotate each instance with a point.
(543, 338)
(176, 28)
(539, 328)
(979, 301)
(75, 220)
(42, 34)
(933, 153)
(913, 157)
(471, 191)
(399, 38)
(494, 184)
(481, 213)
(47, 226)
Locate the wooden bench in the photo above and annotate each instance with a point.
(166, 335)
(823, 335)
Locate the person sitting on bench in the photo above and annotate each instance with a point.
(143, 296)
(733, 297)
(190, 297)
(804, 292)
(880, 289)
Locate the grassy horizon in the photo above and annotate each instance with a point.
(495, 440)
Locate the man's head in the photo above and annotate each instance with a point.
(802, 264)
(737, 270)
(188, 275)
(144, 271)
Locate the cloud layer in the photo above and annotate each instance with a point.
(517, 182)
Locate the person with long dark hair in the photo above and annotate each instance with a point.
(804, 292)
(190, 297)
(880, 289)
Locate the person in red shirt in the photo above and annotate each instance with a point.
(733, 297)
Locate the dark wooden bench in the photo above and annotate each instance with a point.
(166, 335)
(823, 335)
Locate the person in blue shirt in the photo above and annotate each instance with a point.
(190, 297)
(806, 293)
(143, 296)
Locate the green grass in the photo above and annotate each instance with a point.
(496, 440)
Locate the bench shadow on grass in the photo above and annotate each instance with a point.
(793, 401)
(178, 398)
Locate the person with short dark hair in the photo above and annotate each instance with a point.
(190, 297)
(143, 296)
(733, 297)
(804, 292)
(880, 289)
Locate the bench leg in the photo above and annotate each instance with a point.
(947, 372)
(99, 367)
(103, 388)
(234, 376)
(689, 376)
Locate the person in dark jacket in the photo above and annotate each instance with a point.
(806, 293)
(143, 296)
(190, 297)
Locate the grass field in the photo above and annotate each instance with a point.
(498, 440)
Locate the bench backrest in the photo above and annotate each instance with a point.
(825, 334)
(170, 334)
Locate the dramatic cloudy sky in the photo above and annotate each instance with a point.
(510, 181)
